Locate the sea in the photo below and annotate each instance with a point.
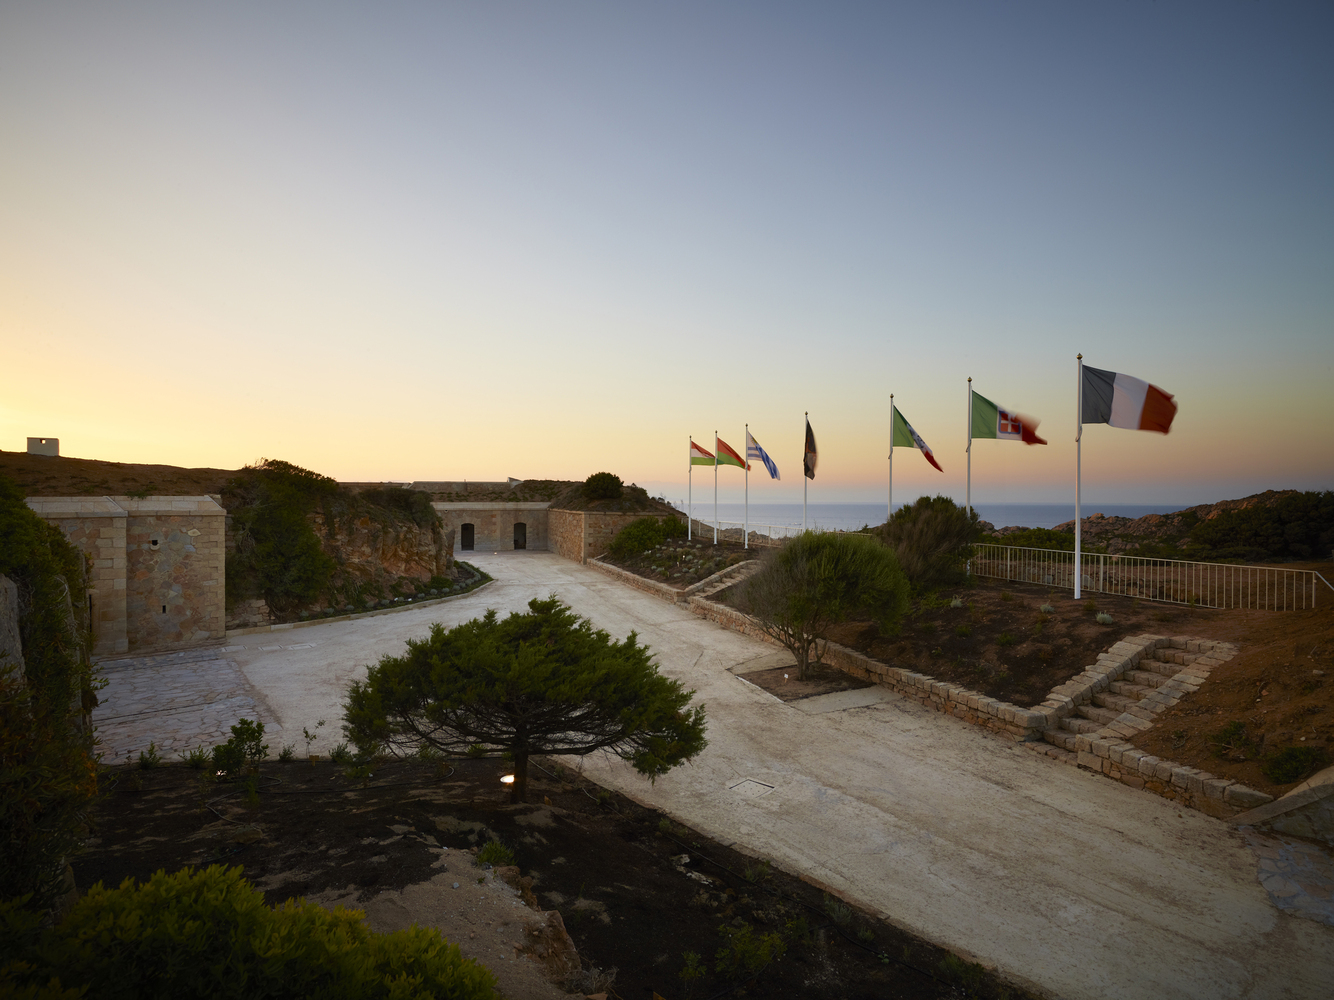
(850, 516)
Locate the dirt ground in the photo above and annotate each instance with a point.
(636, 892)
(42, 476)
(681, 563)
(781, 682)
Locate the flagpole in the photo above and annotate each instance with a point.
(968, 490)
(1079, 433)
(745, 531)
(690, 491)
(715, 487)
(805, 479)
(891, 458)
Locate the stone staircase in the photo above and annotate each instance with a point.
(1156, 682)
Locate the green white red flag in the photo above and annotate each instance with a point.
(905, 437)
(992, 421)
(699, 456)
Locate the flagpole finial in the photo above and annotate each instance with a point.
(970, 378)
(1079, 357)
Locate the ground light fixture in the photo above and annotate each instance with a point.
(507, 779)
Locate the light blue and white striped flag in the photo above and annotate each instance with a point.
(754, 453)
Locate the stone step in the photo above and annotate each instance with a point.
(1179, 657)
(1136, 691)
(1117, 703)
(1060, 738)
(1075, 724)
(1162, 668)
(1146, 678)
(1098, 714)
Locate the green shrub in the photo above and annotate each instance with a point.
(644, 534)
(48, 761)
(150, 758)
(745, 952)
(603, 486)
(1293, 764)
(1231, 740)
(197, 758)
(209, 934)
(933, 538)
(495, 853)
(243, 750)
(1298, 526)
(1104, 618)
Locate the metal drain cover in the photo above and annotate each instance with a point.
(751, 788)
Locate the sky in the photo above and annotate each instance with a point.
(402, 241)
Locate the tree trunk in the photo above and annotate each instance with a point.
(519, 790)
(803, 652)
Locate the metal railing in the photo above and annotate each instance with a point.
(1174, 581)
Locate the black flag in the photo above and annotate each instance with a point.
(812, 456)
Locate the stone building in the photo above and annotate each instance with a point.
(157, 568)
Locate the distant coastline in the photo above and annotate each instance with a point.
(854, 515)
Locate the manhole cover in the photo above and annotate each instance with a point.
(751, 788)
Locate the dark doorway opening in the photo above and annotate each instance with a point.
(520, 535)
(465, 537)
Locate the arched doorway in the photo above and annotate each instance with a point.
(520, 535)
(465, 537)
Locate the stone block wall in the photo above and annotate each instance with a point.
(493, 523)
(175, 571)
(96, 526)
(586, 534)
(565, 533)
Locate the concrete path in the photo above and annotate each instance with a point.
(1078, 886)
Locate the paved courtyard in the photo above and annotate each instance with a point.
(1082, 887)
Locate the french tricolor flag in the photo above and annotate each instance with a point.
(1125, 401)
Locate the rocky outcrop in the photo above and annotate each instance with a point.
(385, 553)
(1122, 534)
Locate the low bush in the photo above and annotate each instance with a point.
(1294, 763)
(209, 934)
(745, 952)
(243, 750)
(495, 853)
(644, 534)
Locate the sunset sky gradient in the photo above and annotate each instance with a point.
(443, 241)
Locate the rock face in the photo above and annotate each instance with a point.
(385, 553)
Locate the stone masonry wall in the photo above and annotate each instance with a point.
(565, 533)
(493, 523)
(174, 594)
(96, 526)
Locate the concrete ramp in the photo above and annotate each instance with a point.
(1306, 811)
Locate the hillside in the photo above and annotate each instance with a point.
(1281, 525)
(40, 476)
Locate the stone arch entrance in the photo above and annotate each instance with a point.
(520, 535)
(465, 537)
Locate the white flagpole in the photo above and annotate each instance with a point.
(891, 457)
(690, 491)
(968, 490)
(746, 517)
(805, 479)
(1079, 433)
(715, 487)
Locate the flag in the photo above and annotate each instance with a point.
(906, 437)
(1125, 401)
(992, 421)
(698, 456)
(727, 456)
(756, 453)
(812, 456)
